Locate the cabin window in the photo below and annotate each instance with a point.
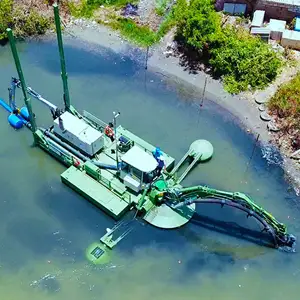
(137, 174)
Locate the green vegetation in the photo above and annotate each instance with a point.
(242, 60)
(23, 23)
(6, 17)
(161, 7)
(140, 35)
(286, 103)
(115, 3)
(29, 24)
(198, 23)
(86, 8)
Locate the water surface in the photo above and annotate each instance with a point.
(45, 227)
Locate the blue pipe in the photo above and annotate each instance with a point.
(9, 109)
(5, 105)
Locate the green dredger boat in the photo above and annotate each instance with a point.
(121, 174)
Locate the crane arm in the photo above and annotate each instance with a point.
(12, 95)
(185, 196)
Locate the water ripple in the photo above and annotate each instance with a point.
(272, 155)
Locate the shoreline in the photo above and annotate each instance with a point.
(240, 106)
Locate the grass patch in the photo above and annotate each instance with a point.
(161, 6)
(116, 3)
(86, 8)
(82, 10)
(143, 35)
(286, 103)
(140, 35)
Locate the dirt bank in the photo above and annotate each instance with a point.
(246, 111)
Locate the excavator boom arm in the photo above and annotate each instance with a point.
(186, 196)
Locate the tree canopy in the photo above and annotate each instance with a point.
(244, 61)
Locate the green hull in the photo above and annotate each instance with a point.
(95, 192)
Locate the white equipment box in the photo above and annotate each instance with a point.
(79, 134)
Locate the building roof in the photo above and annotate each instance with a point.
(258, 18)
(277, 25)
(140, 159)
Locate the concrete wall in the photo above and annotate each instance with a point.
(292, 44)
(276, 12)
(273, 10)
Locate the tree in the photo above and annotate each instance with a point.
(244, 61)
(199, 23)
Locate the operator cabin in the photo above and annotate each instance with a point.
(139, 168)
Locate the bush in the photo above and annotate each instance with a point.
(35, 24)
(286, 102)
(198, 22)
(6, 17)
(243, 60)
(22, 22)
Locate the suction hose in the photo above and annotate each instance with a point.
(280, 240)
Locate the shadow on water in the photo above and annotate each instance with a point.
(69, 208)
(75, 215)
(81, 61)
(233, 229)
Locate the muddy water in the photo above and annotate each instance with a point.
(45, 227)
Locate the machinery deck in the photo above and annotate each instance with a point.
(95, 192)
(169, 161)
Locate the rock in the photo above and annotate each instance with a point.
(272, 126)
(260, 100)
(262, 107)
(261, 97)
(265, 116)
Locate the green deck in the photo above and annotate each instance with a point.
(95, 192)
